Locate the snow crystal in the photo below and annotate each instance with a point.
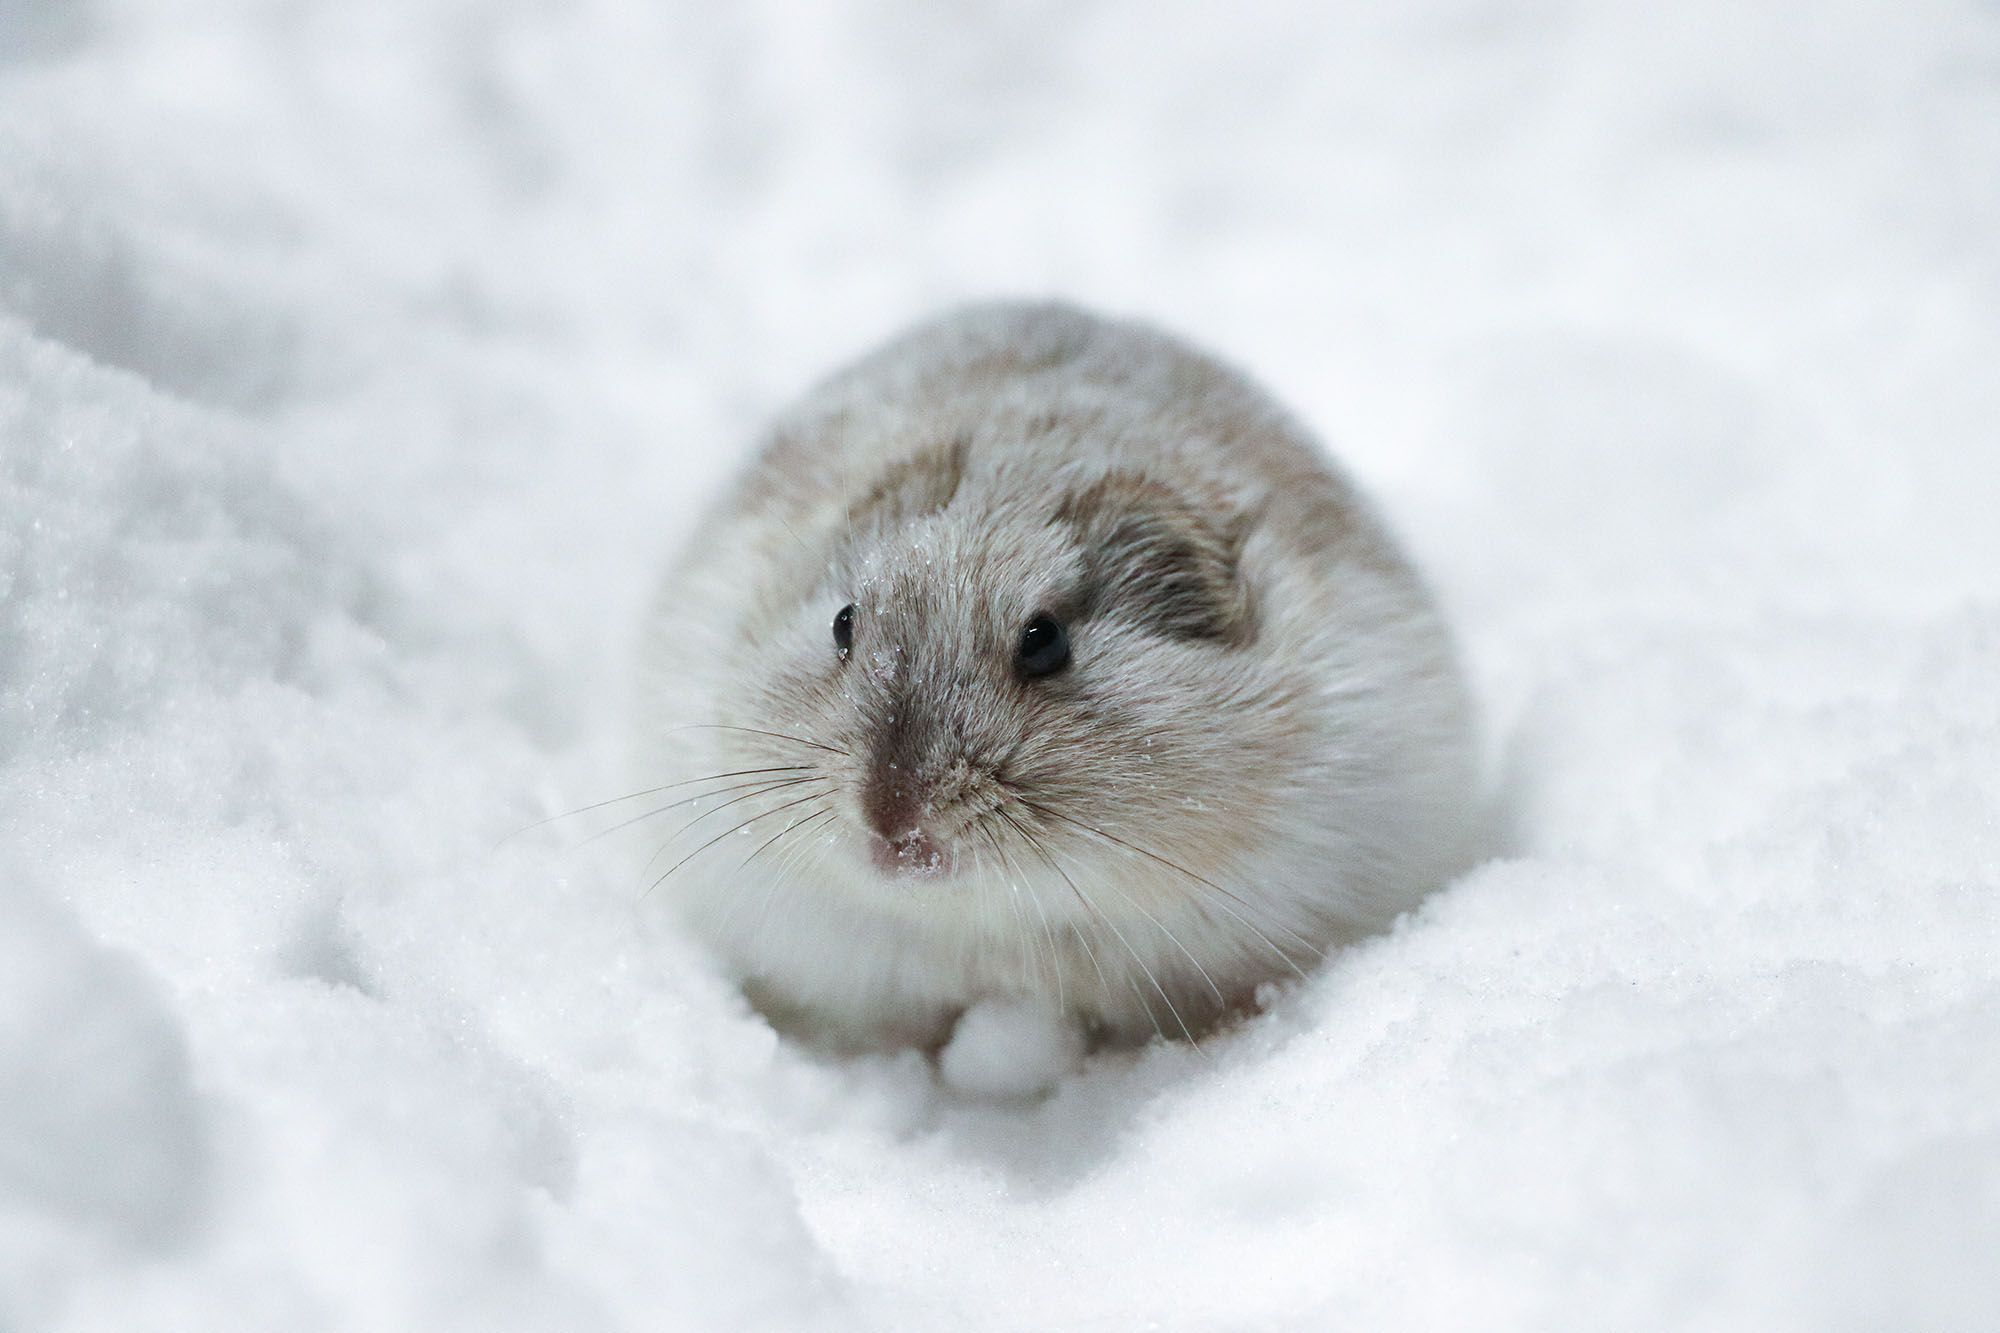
(361, 362)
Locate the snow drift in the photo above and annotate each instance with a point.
(360, 362)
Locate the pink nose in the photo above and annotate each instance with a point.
(895, 808)
(908, 853)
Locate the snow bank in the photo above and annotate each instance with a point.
(358, 363)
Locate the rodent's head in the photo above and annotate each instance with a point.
(1038, 681)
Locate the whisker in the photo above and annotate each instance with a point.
(1113, 926)
(769, 784)
(786, 872)
(1131, 901)
(766, 789)
(736, 899)
(810, 553)
(1289, 961)
(1221, 1000)
(762, 814)
(1028, 970)
(1048, 932)
(635, 795)
(757, 731)
(1089, 951)
(1172, 1009)
(763, 789)
(1132, 984)
(781, 833)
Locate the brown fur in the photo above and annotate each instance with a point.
(1157, 556)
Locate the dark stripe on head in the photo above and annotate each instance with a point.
(1154, 557)
(922, 483)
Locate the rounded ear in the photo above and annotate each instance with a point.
(920, 484)
(1156, 557)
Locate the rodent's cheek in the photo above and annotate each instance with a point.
(883, 666)
(807, 697)
(846, 712)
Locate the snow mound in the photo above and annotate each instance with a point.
(360, 362)
(104, 1143)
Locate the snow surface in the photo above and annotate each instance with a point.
(360, 360)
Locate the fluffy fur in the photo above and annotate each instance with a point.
(1258, 750)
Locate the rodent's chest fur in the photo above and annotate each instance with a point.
(1252, 745)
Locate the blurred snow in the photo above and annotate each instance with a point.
(360, 361)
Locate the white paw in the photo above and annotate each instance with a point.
(1009, 1048)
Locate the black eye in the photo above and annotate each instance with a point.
(843, 629)
(1044, 647)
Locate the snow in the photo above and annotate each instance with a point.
(359, 363)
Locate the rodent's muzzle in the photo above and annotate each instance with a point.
(898, 840)
(901, 798)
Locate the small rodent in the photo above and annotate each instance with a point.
(1040, 657)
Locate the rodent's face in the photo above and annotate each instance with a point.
(1065, 685)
